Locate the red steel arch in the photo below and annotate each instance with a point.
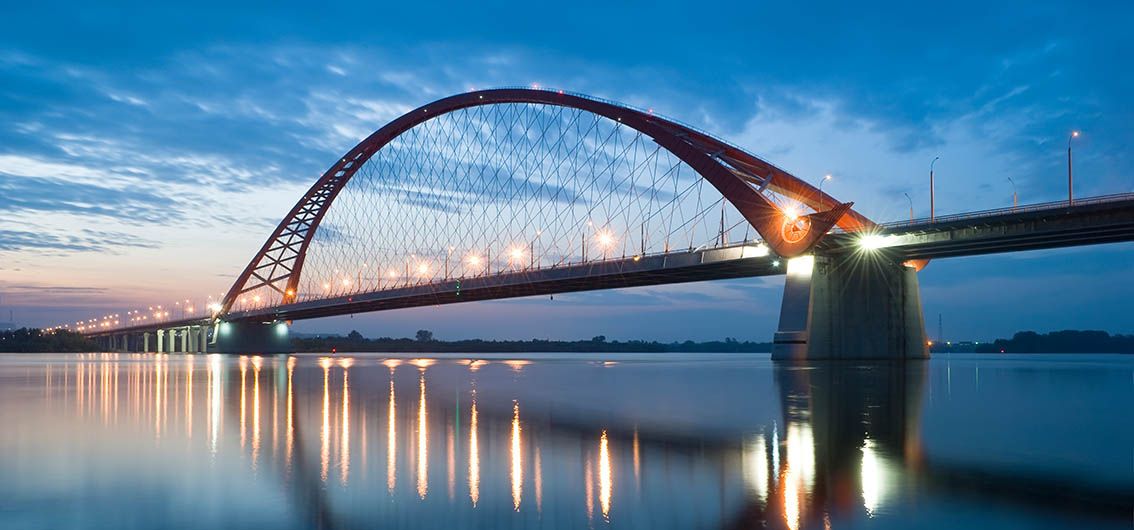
(739, 176)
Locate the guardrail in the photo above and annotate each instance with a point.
(1043, 206)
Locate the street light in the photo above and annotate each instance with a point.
(1074, 135)
(825, 179)
(932, 211)
(911, 206)
(1014, 199)
(605, 241)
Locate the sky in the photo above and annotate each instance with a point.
(147, 151)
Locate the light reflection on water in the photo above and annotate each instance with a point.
(727, 441)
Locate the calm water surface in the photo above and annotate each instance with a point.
(543, 441)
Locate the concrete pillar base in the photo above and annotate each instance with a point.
(863, 305)
(203, 339)
(253, 337)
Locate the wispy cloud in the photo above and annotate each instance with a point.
(84, 240)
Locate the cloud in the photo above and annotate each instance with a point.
(60, 196)
(84, 240)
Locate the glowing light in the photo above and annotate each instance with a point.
(873, 242)
(800, 266)
(874, 478)
(474, 260)
(605, 239)
(516, 364)
(605, 478)
(346, 282)
(754, 461)
(517, 459)
(516, 253)
(422, 269)
(791, 212)
(474, 457)
(256, 363)
(325, 433)
(422, 443)
(1074, 134)
(391, 439)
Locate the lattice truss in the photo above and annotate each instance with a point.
(507, 187)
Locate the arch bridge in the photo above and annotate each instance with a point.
(517, 192)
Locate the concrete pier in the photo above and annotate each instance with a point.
(253, 337)
(860, 305)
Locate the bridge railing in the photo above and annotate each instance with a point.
(1043, 206)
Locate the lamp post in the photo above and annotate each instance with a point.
(825, 179)
(932, 210)
(911, 206)
(1070, 197)
(1015, 202)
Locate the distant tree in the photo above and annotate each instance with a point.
(354, 336)
(424, 335)
(35, 340)
(599, 338)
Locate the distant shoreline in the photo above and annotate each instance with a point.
(425, 343)
(1059, 342)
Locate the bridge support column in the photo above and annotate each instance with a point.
(254, 337)
(862, 305)
(203, 338)
(146, 342)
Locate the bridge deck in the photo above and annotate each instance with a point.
(1108, 219)
(736, 261)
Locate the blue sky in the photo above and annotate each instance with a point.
(146, 152)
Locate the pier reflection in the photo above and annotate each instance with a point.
(817, 446)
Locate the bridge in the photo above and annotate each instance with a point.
(518, 192)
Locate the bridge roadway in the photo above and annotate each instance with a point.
(1090, 221)
(1106, 219)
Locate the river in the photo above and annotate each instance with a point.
(653, 441)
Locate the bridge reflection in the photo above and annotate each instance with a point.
(354, 441)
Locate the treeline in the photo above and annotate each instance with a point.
(1068, 341)
(425, 343)
(30, 340)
